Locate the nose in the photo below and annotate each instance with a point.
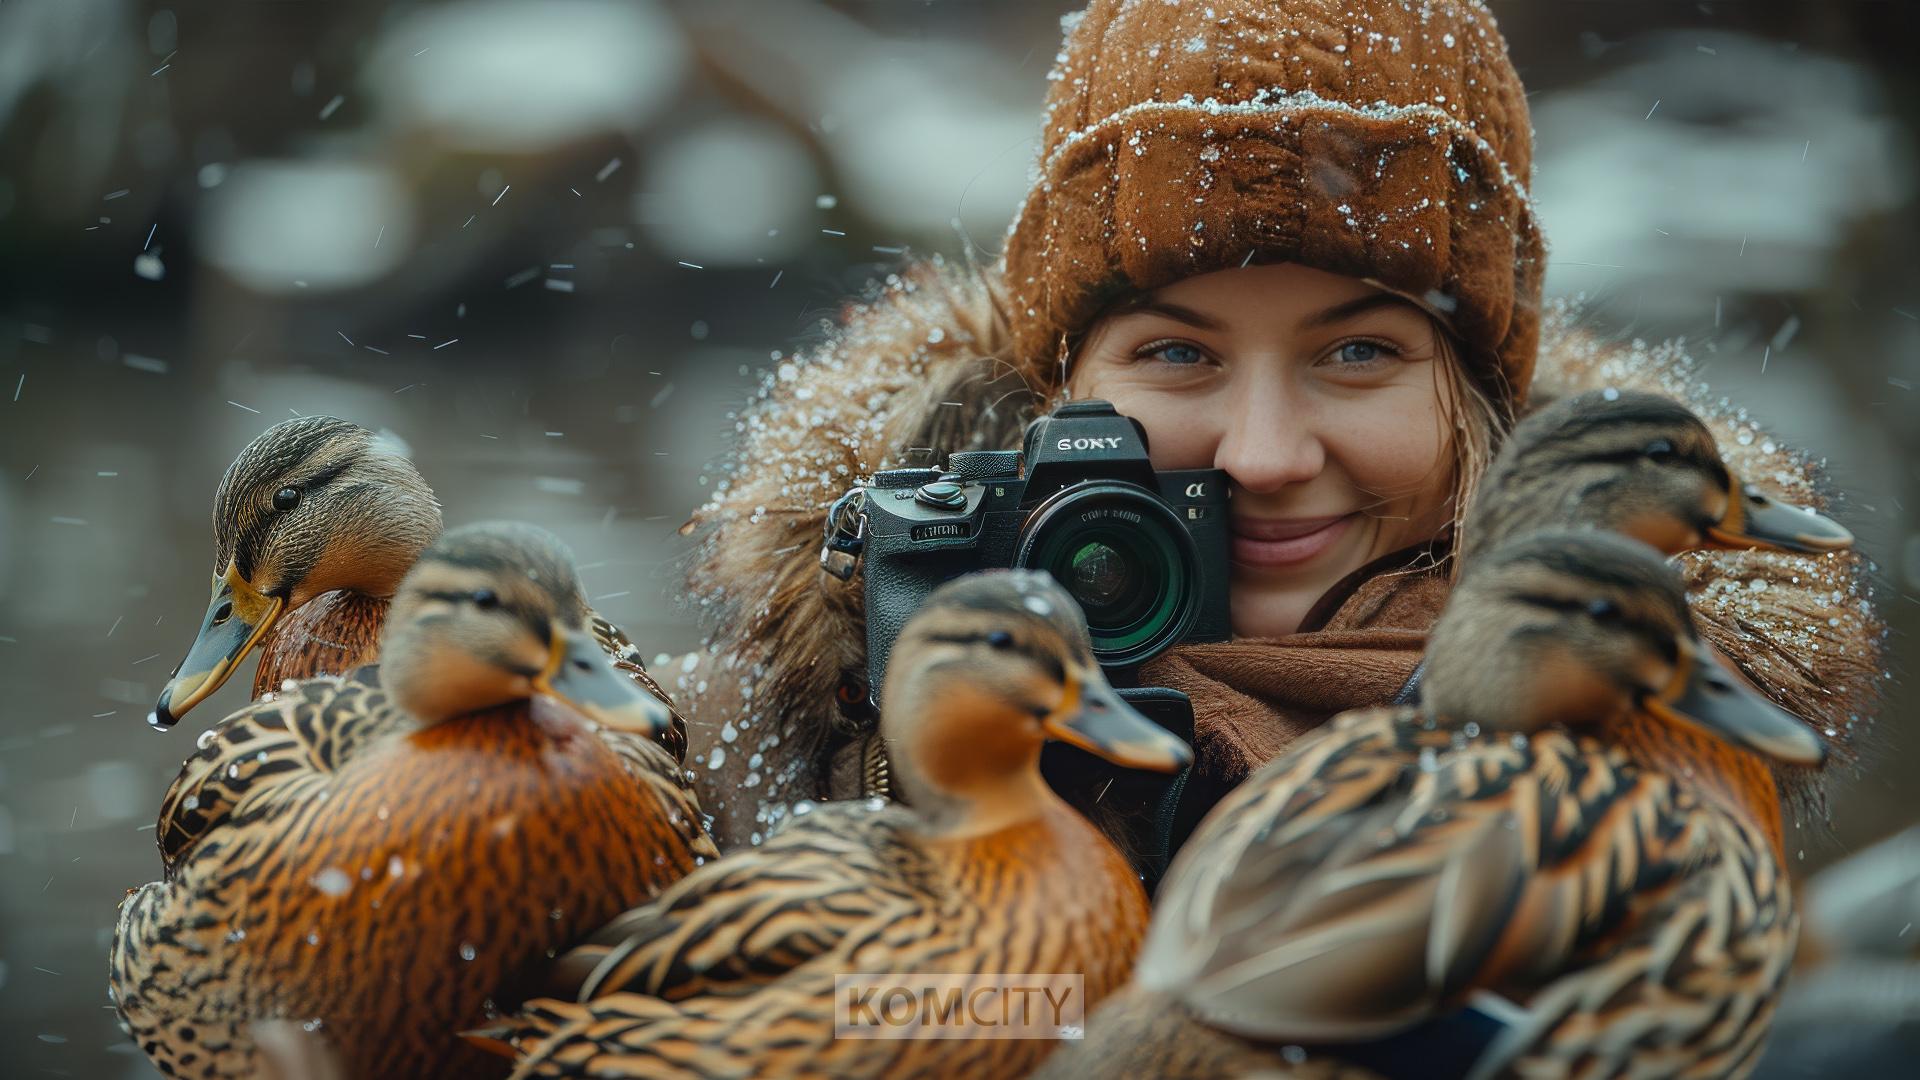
(1269, 440)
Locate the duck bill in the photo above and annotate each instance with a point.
(580, 674)
(1095, 719)
(1705, 695)
(237, 619)
(1756, 519)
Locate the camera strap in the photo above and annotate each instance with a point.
(846, 537)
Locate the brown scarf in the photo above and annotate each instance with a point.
(1253, 697)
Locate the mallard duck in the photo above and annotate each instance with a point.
(315, 524)
(731, 971)
(1523, 876)
(1637, 464)
(381, 855)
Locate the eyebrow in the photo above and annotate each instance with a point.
(1357, 306)
(1176, 312)
(1337, 313)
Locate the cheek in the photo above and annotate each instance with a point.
(445, 681)
(372, 565)
(1183, 429)
(1568, 690)
(1391, 442)
(992, 746)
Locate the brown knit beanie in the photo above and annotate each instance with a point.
(1380, 139)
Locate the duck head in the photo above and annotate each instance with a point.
(1637, 464)
(493, 614)
(991, 667)
(312, 505)
(1584, 629)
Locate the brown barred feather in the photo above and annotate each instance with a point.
(331, 634)
(1388, 868)
(761, 912)
(730, 972)
(332, 862)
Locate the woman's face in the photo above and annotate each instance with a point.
(1321, 398)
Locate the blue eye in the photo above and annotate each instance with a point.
(1359, 352)
(1176, 353)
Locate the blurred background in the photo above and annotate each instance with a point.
(551, 244)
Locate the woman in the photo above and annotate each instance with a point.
(1293, 240)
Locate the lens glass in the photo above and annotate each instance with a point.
(1115, 577)
(1099, 576)
(1122, 555)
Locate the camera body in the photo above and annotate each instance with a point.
(1144, 552)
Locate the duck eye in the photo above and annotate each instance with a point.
(1659, 451)
(1000, 639)
(485, 599)
(1603, 610)
(286, 498)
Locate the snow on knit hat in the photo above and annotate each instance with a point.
(1381, 139)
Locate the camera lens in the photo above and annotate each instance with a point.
(1123, 554)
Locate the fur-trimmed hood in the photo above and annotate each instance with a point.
(915, 371)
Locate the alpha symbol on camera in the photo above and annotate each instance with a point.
(1197, 490)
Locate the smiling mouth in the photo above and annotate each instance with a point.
(1264, 544)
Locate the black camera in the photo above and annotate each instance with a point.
(1144, 552)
